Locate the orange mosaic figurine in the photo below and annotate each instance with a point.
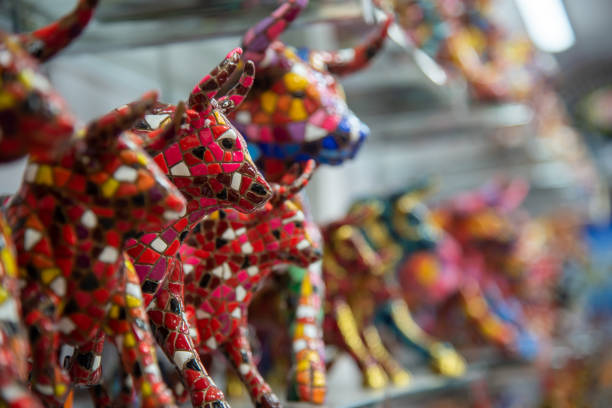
(33, 118)
(70, 218)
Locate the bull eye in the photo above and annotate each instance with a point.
(142, 125)
(258, 189)
(33, 102)
(227, 143)
(299, 224)
(226, 105)
(413, 219)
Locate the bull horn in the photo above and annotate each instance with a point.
(239, 92)
(258, 38)
(349, 60)
(292, 183)
(204, 92)
(47, 41)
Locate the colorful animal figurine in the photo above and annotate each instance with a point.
(464, 38)
(33, 118)
(353, 278)
(399, 226)
(228, 256)
(70, 218)
(207, 159)
(481, 244)
(297, 108)
(295, 112)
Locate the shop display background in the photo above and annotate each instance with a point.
(433, 131)
(405, 144)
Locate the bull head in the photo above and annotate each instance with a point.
(297, 109)
(33, 116)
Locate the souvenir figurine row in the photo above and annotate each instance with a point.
(138, 227)
(464, 39)
(156, 225)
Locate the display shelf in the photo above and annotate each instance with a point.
(345, 389)
(422, 383)
(128, 24)
(446, 121)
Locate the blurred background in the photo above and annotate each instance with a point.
(430, 118)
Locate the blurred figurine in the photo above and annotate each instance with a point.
(462, 36)
(479, 223)
(398, 229)
(33, 118)
(70, 218)
(354, 286)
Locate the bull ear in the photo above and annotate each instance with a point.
(160, 138)
(203, 94)
(47, 41)
(293, 182)
(349, 60)
(417, 192)
(257, 39)
(105, 130)
(363, 211)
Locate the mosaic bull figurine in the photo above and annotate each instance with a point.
(33, 118)
(297, 109)
(207, 159)
(228, 256)
(353, 278)
(71, 218)
(295, 112)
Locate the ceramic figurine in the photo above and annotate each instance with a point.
(397, 228)
(480, 244)
(207, 159)
(33, 118)
(462, 36)
(423, 22)
(70, 219)
(227, 257)
(353, 278)
(297, 111)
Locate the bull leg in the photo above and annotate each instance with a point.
(398, 375)
(238, 352)
(373, 375)
(49, 380)
(128, 328)
(307, 375)
(443, 357)
(167, 314)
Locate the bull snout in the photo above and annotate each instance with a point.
(345, 141)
